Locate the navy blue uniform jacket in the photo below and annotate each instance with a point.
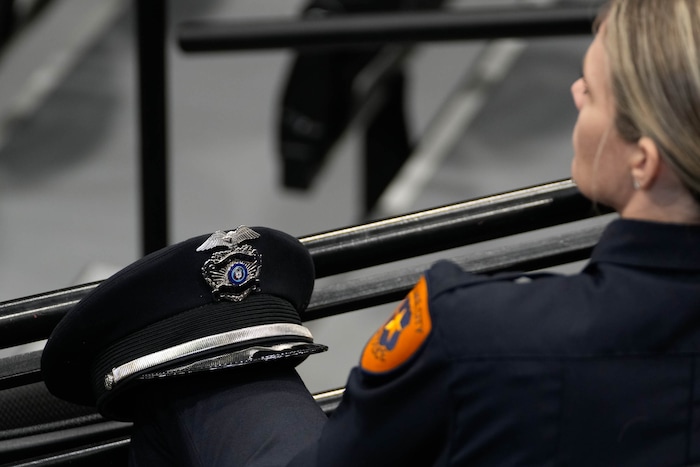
(601, 368)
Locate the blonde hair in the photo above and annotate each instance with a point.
(654, 48)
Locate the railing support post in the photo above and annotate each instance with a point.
(151, 20)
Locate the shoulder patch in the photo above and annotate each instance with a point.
(402, 335)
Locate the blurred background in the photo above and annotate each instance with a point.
(479, 117)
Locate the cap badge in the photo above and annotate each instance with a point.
(232, 273)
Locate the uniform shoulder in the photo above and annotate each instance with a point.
(511, 314)
(446, 275)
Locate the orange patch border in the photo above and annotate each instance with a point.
(377, 357)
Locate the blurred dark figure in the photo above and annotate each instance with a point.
(317, 105)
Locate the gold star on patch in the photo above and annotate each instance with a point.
(394, 325)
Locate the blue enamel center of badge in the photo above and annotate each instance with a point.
(238, 273)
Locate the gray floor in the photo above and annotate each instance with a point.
(68, 147)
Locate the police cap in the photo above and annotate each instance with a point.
(217, 301)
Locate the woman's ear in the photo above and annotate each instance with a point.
(645, 163)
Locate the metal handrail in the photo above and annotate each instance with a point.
(449, 226)
(32, 318)
(367, 291)
(363, 30)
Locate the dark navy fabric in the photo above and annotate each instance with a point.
(594, 369)
(599, 368)
(230, 419)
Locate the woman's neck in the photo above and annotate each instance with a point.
(671, 204)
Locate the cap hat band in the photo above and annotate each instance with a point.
(246, 356)
(202, 345)
(189, 326)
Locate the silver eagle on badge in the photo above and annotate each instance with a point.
(232, 273)
(229, 239)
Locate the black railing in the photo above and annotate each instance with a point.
(362, 30)
(32, 318)
(151, 18)
(448, 226)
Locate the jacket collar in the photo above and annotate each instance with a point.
(649, 245)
